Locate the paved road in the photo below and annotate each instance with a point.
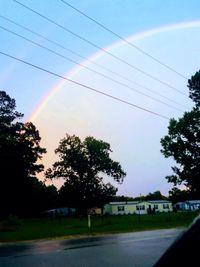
(133, 249)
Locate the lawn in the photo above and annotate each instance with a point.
(30, 229)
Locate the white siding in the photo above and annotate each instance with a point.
(137, 207)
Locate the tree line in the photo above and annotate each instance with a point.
(84, 163)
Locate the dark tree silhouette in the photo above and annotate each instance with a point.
(82, 166)
(183, 143)
(194, 88)
(19, 153)
(177, 195)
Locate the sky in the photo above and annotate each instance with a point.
(68, 74)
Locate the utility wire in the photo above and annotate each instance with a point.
(123, 39)
(83, 85)
(88, 68)
(100, 48)
(89, 60)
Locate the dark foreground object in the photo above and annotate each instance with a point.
(185, 250)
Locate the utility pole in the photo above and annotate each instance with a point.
(139, 208)
(89, 220)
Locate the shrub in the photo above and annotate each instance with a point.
(12, 223)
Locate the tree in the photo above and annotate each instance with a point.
(19, 153)
(183, 143)
(82, 164)
(155, 196)
(194, 88)
(38, 197)
(122, 198)
(7, 110)
(177, 195)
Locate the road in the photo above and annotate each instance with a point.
(140, 249)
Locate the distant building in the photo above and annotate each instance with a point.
(138, 207)
(188, 205)
(180, 206)
(59, 212)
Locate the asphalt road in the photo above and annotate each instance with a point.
(132, 249)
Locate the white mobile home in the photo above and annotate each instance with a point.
(138, 207)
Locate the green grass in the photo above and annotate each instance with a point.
(51, 228)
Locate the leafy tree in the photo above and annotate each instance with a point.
(7, 110)
(151, 196)
(39, 197)
(194, 88)
(183, 144)
(122, 198)
(19, 153)
(177, 195)
(81, 164)
(155, 196)
(49, 197)
(97, 196)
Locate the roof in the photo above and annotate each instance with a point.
(137, 202)
(158, 201)
(180, 203)
(59, 209)
(193, 202)
(123, 202)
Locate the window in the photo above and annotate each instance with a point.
(165, 206)
(155, 207)
(120, 208)
(141, 207)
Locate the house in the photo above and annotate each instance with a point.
(193, 204)
(138, 207)
(59, 212)
(189, 205)
(180, 206)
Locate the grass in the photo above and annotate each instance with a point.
(51, 228)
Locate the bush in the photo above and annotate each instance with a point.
(12, 223)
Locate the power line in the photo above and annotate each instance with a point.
(100, 48)
(83, 85)
(89, 60)
(123, 39)
(88, 68)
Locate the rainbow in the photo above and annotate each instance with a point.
(138, 36)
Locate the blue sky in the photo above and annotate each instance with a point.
(169, 31)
